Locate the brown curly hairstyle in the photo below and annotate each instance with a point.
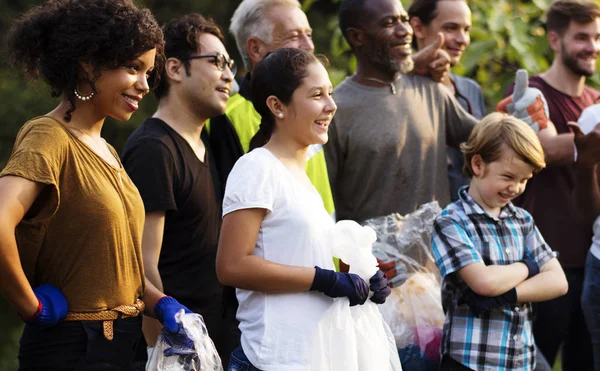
(181, 41)
(51, 39)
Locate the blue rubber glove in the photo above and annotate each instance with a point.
(379, 286)
(340, 284)
(166, 309)
(484, 304)
(52, 307)
(531, 265)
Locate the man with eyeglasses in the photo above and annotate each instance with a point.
(171, 163)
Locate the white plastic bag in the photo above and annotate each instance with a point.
(354, 338)
(204, 357)
(414, 309)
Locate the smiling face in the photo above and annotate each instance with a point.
(290, 29)
(453, 19)
(120, 90)
(388, 36)
(496, 183)
(206, 88)
(579, 46)
(309, 113)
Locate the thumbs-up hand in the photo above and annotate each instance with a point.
(526, 103)
(432, 60)
(588, 145)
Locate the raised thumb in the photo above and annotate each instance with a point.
(433, 49)
(521, 84)
(439, 41)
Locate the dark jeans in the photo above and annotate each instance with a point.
(560, 321)
(80, 346)
(590, 302)
(239, 362)
(449, 364)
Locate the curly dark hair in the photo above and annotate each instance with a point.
(53, 38)
(181, 41)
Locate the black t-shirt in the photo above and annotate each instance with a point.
(170, 178)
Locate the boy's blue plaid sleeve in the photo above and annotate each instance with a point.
(535, 246)
(452, 247)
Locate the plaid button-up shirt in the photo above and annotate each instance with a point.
(464, 234)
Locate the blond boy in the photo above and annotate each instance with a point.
(493, 260)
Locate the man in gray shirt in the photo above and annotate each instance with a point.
(387, 143)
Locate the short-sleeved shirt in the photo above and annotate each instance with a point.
(172, 179)
(465, 234)
(387, 153)
(549, 194)
(85, 236)
(278, 328)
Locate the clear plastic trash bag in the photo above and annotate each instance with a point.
(203, 357)
(354, 338)
(414, 309)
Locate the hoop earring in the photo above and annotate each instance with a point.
(81, 96)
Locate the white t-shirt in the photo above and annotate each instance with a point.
(277, 329)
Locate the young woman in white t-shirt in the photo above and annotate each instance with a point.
(272, 246)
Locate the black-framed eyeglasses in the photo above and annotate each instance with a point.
(218, 59)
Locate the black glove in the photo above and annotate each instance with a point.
(531, 265)
(484, 304)
(340, 284)
(379, 286)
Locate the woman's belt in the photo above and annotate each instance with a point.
(108, 316)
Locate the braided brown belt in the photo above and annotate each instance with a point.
(108, 316)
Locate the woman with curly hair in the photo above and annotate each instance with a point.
(70, 218)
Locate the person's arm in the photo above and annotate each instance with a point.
(17, 195)
(238, 267)
(587, 191)
(493, 280)
(454, 252)
(152, 237)
(459, 123)
(550, 283)
(558, 148)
